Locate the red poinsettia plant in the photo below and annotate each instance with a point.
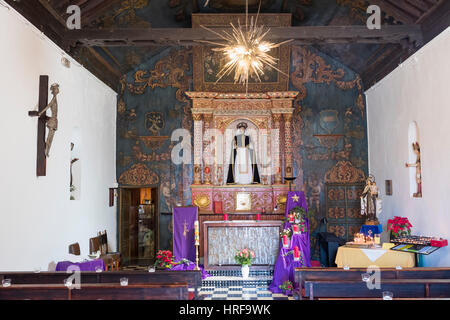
(164, 259)
(286, 286)
(399, 226)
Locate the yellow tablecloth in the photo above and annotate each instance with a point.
(363, 258)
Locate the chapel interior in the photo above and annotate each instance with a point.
(225, 149)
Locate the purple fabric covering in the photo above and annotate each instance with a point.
(190, 266)
(285, 264)
(183, 232)
(84, 266)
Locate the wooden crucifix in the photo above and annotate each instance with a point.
(43, 146)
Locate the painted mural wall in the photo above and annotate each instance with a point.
(329, 126)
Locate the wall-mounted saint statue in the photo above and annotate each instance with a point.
(417, 165)
(52, 122)
(243, 168)
(370, 203)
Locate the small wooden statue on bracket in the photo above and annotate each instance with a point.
(416, 149)
(370, 203)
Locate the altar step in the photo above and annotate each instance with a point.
(233, 278)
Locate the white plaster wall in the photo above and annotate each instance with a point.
(37, 219)
(418, 90)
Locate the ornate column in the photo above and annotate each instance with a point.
(207, 149)
(198, 147)
(276, 148)
(288, 170)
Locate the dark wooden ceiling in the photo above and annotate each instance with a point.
(372, 61)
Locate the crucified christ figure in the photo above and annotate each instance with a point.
(52, 123)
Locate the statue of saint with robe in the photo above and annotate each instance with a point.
(243, 168)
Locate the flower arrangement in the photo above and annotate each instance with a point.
(286, 286)
(245, 257)
(297, 215)
(399, 226)
(286, 232)
(164, 259)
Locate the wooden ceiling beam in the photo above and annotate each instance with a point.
(191, 36)
(394, 11)
(420, 4)
(407, 7)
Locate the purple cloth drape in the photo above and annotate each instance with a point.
(285, 264)
(183, 232)
(84, 266)
(190, 266)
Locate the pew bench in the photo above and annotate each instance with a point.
(103, 291)
(354, 274)
(401, 288)
(192, 278)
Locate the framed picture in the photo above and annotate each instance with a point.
(243, 201)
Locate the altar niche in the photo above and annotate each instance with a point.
(235, 134)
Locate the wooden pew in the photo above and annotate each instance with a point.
(104, 291)
(401, 288)
(112, 291)
(34, 292)
(354, 274)
(192, 278)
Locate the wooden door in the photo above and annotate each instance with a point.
(343, 209)
(124, 221)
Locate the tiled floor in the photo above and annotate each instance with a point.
(240, 293)
(229, 285)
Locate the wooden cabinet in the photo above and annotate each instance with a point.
(139, 225)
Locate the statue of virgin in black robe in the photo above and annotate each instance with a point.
(243, 168)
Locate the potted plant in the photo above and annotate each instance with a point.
(399, 226)
(164, 259)
(287, 288)
(244, 258)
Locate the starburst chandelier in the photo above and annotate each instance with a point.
(246, 51)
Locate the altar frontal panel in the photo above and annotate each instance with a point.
(224, 241)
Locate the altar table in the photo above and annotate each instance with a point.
(223, 239)
(91, 265)
(363, 258)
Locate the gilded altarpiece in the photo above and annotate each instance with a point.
(215, 118)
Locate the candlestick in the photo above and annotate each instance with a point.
(196, 259)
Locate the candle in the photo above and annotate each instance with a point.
(285, 241)
(291, 217)
(225, 217)
(296, 254)
(295, 228)
(258, 216)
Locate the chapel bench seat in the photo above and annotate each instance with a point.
(111, 291)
